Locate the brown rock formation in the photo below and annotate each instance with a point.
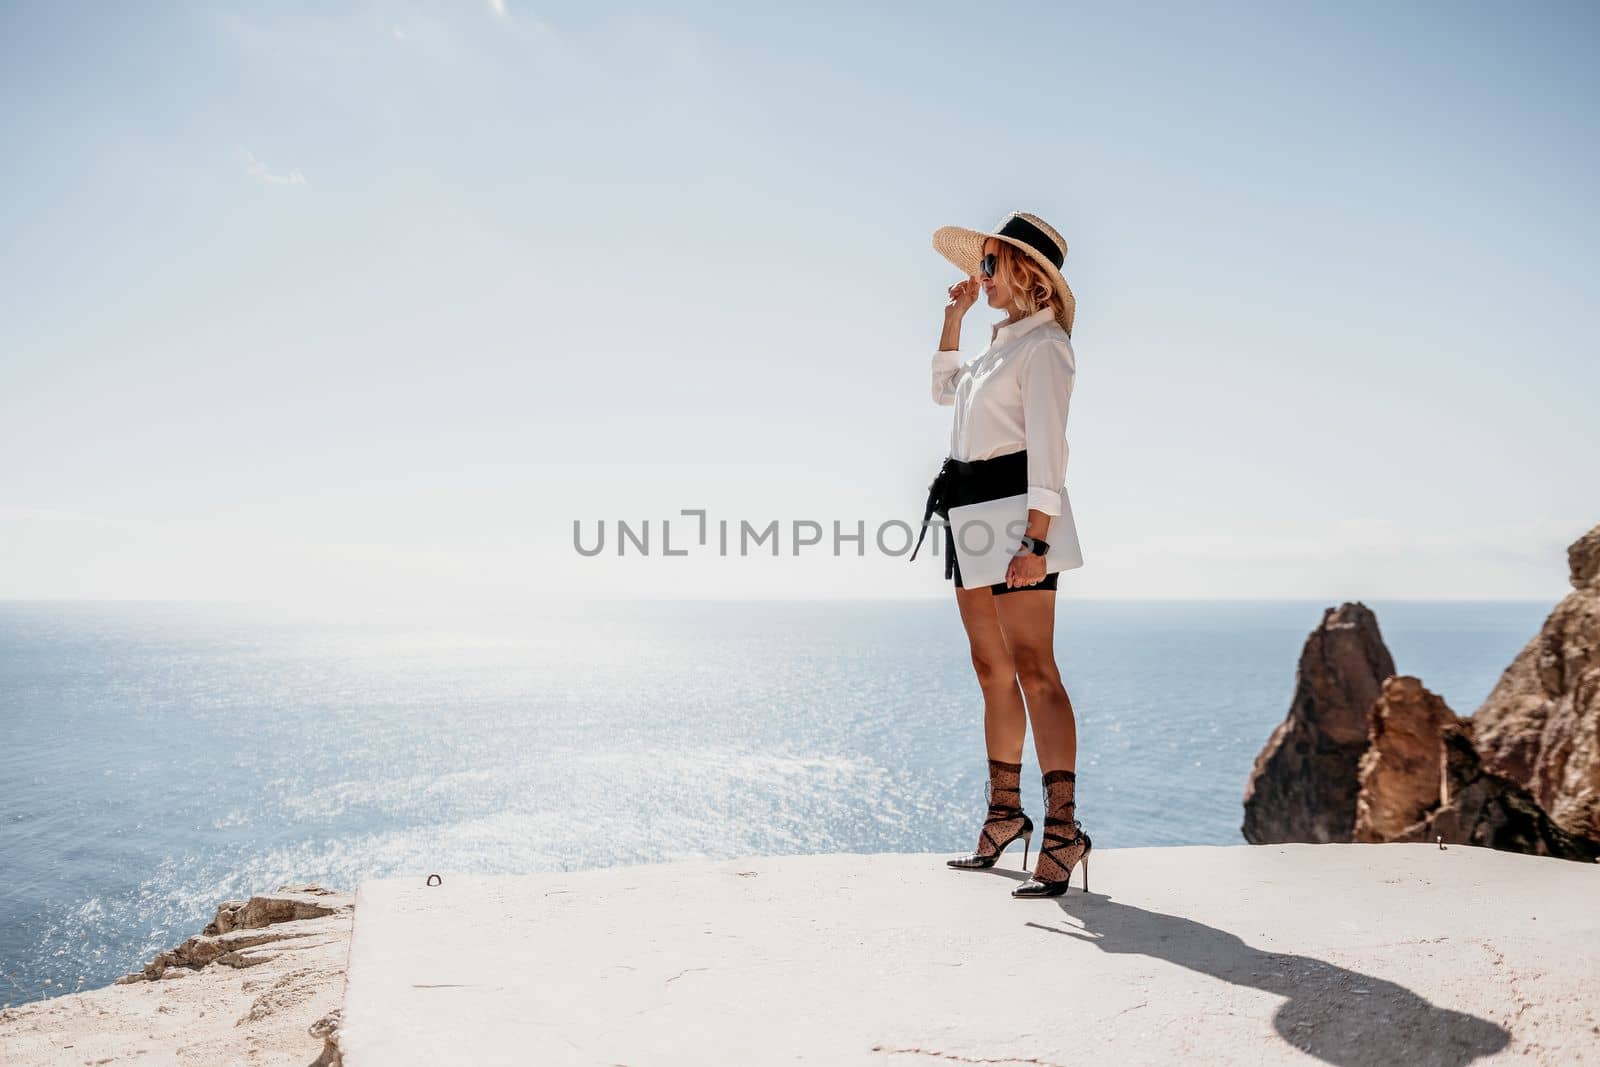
(1583, 560)
(1304, 784)
(1540, 727)
(1400, 772)
(247, 933)
(274, 1003)
(289, 904)
(1368, 757)
(1481, 808)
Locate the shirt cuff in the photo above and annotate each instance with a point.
(945, 362)
(1045, 500)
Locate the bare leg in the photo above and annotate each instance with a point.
(1005, 719)
(1028, 622)
(1005, 726)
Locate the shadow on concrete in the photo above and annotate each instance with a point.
(1330, 1012)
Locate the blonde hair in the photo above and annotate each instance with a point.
(1031, 287)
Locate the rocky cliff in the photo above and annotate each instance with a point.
(1366, 755)
(1479, 807)
(1540, 726)
(261, 985)
(1303, 786)
(1398, 778)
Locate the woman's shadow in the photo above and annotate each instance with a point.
(1330, 1012)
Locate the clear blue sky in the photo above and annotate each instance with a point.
(373, 300)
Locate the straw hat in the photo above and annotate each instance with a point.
(1031, 234)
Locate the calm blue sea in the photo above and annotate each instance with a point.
(158, 758)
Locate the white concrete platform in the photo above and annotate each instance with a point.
(1348, 954)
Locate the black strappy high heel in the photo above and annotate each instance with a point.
(1064, 844)
(1064, 852)
(983, 858)
(1004, 797)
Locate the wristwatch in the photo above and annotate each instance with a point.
(1035, 545)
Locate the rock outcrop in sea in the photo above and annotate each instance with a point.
(1367, 755)
(1398, 776)
(1303, 786)
(1479, 807)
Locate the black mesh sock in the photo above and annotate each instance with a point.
(1062, 844)
(1004, 796)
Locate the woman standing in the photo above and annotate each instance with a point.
(1009, 437)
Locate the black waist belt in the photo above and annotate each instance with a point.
(967, 482)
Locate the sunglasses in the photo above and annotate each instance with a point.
(986, 268)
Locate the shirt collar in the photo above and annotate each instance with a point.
(1022, 326)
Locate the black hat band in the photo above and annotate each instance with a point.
(1020, 229)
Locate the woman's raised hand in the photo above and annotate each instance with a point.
(962, 296)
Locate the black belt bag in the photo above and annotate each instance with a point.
(968, 482)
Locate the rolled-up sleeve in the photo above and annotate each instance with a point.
(1046, 378)
(946, 369)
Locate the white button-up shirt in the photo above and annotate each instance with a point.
(1014, 396)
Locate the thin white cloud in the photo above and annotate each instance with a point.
(258, 170)
(498, 7)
